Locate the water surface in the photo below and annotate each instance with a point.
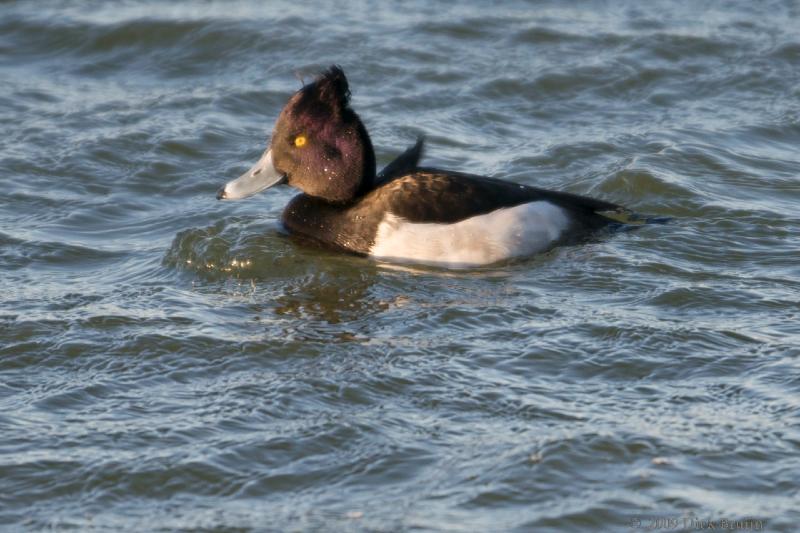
(168, 361)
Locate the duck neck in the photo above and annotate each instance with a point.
(368, 158)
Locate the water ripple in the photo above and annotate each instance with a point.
(173, 362)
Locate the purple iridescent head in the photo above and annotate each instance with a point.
(319, 145)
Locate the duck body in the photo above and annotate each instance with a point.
(407, 213)
(447, 218)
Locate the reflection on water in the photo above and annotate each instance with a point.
(332, 299)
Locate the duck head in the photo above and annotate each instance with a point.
(319, 145)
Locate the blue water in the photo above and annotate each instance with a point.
(170, 362)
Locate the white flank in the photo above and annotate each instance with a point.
(502, 234)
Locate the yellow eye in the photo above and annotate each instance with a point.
(300, 141)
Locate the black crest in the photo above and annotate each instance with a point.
(331, 88)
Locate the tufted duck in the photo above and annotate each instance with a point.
(407, 213)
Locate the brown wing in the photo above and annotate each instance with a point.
(405, 163)
(430, 195)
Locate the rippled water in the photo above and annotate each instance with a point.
(168, 361)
